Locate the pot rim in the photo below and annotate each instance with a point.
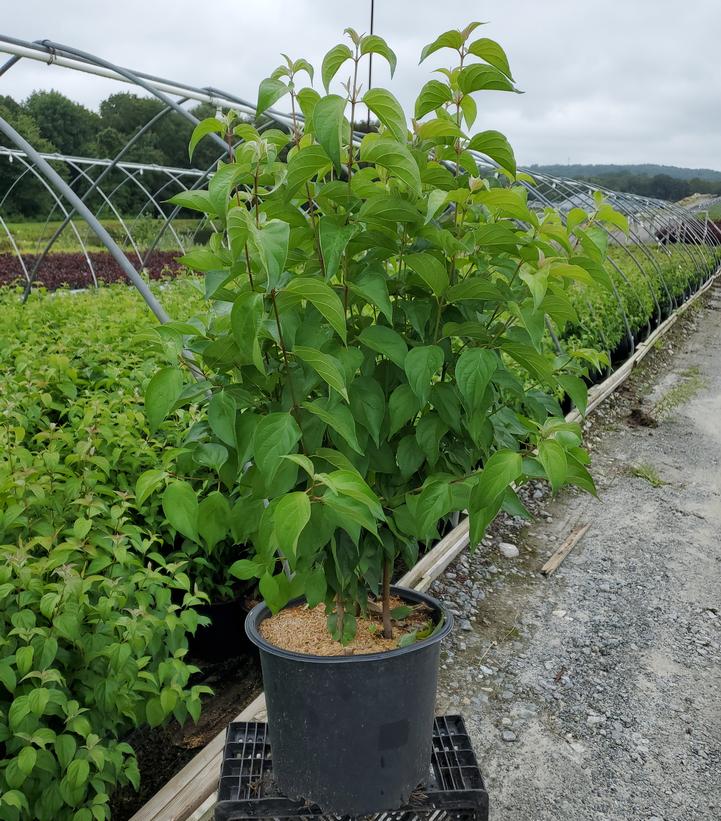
(261, 612)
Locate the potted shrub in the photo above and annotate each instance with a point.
(375, 360)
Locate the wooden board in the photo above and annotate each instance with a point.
(573, 539)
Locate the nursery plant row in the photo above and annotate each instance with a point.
(84, 553)
(81, 545)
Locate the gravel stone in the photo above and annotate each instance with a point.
(510, 551)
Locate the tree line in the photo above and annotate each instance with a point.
(51, 122)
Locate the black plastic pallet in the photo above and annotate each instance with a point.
(454, 790)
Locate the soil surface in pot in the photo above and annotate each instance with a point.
(304, 629)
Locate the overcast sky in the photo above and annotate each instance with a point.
(615, 81)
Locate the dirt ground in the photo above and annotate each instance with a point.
(595, 693)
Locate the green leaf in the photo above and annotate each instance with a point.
(535, 363)
(491, 52)
(334, 237)
(537, 282)
(438, 129)
(403, 405)
(147, 483)
(245, 318)
(322, 297)
(195, 201)
(269, 92)
(26, 760)
(332, 62)
(301, 64)
(221, 417)
(272, 243)
(436, 200)
(511, 202)
(213, 518)
(433, 503)
(350, 483)
(480, 77)
(161, 394)
(275, 436)
(329, 126)
(431, 270)
(494, 145)
(302, 461)
(7, 677)
(421, 365)
(290, 516)
(577, 390)
(368, 405)
(473, 288)
(409, 456)
(154, 713)
(210, 125)
(65, 747)
(335, 458)
(576, 474)
(307, 99)
(227, 178)
(429, 432)
(385, 341)
(474, 369)
(606, 213)
(24, 659)
(469, 110)
(389, 111)
(304, 165)
(338, 417)
(553, 458)
(314, 586)
(78, 773)
(394, 157)
(373, 44)
(180, 506)
(274, 590)
(500, 471)
(372, 286)
(210, 454)
(434, 94)
(348, 510)
(326, 366)
(452, 39)
(201, 259)
(245, 569)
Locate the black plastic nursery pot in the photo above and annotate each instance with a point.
(210, 641)
(351, 734)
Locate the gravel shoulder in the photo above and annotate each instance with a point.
(596, 693)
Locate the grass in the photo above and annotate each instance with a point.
(649, 473)
(31, 237)
(690, 384)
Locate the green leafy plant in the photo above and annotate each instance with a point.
(91, 646)
(376, 347)
(95, 605)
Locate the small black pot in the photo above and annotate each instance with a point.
(217, 641)
(351, 733)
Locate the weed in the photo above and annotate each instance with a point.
(689, 385)
(649, 473)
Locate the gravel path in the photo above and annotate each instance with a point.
(596, 693)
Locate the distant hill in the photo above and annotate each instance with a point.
(643, 169)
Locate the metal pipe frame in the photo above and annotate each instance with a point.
(680, 223)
